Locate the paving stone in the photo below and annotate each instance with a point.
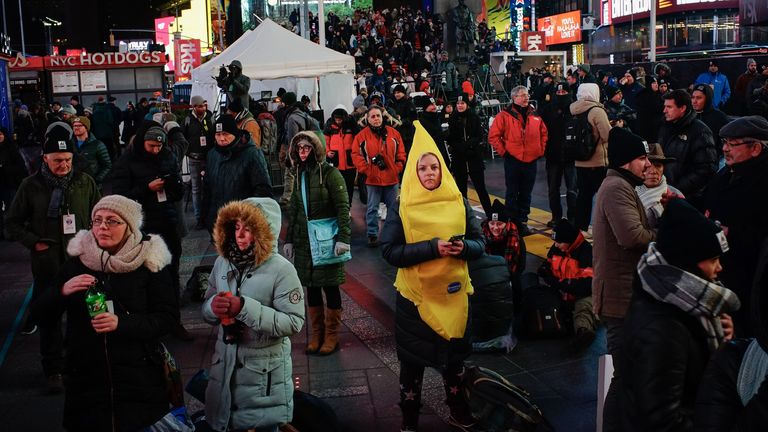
(384, 348)
(385, 392)
(367, 328)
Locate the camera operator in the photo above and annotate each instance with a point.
(379, 153)
(234, 83)
(445, 76)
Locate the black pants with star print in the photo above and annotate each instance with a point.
(411, 378)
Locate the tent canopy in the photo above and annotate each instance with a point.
(271, 51)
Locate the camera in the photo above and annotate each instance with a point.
(233, 333)
(224, 78)
(443, 78)
(379, 161)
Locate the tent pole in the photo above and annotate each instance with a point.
(321, 22)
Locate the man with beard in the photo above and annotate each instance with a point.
(690, 142)
(701, 100)
(405, 111)
(558, 168)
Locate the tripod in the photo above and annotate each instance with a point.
(221, 104)
(488, 86)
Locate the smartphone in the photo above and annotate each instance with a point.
(457, 237)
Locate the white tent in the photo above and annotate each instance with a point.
(275, 57)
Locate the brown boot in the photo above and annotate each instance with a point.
(316, 318)
(332, 323)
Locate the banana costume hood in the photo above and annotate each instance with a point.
(439, 287)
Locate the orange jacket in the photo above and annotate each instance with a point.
(508, 136)
(252, 126)
(341, 144)
(367, 145)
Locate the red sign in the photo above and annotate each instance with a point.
(89, 61)
(187, 55)
(626, 11)
(533, 42)
(562, 28)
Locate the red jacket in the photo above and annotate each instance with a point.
(367, 145)
(341, 144)
(508, 136)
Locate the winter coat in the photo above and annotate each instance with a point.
(630, 93)
(194, 129)
(326, 198)
(233, 173)
(555, 115)
(26, 219)
(722, 88)
(464, 139)
(690, 142)
(338, 139)
(663, 356)
(147, 309)
(650, 115)
(621, 236)
(12, 168)
(134, 171)
(570, 271)
(96, 157)
(714, 119)
(601, 127)
(251, 381)
(405, 112)
(432, 123)
(368, 144)
(493, 301)
(620, 111)
(416, 342)
(523, 139)
(451, 76)
(246, 122)
(736, 198)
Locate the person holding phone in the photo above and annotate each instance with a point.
(430, 234)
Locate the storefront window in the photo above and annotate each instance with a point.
(707, 33)
(120, 79)
(148, 78)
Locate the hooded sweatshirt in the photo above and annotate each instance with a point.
(712, 117)
(587, 97)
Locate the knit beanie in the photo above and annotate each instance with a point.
(399, 88)
(564, 232)
(498, 212)
(58, 138)
(69, 109)
(686, 237)
(226, 123)
(156, 133)
(128, 210)
(289, 98)
(624, 147)
(84, 120)
(610, 91)
(464, 97)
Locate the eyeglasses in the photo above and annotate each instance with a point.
(111, 223)
(729, 142)
(305, 148)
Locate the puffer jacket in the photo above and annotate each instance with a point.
(416, 341)
(405, 111)
(522, 139)
(367, 144)
(234, 172)
(601, 127)
(96, 157)
(326, 198)
(690, 142)
(339, 139)
(621, 236)
(570, 271)
(250, 382)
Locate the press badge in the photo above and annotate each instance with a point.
(110, 306)
(68, 224)
(161, 197)
(203, 143)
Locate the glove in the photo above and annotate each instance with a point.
(168, 126)
(288, 250)
(340, 248)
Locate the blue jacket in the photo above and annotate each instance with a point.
(722, 88)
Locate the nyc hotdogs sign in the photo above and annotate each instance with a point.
(88, 61)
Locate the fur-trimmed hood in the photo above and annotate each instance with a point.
(261, 215)
(314, 140)
(153, 251)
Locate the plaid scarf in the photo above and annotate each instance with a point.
(59, 185)
(690, 293)
(506, 245)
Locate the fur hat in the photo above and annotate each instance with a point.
(686, 237)
(84, 120)
(128, 210)
(58, 138)
(624, 147)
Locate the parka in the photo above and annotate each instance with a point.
(338, 139)
(601, 127)
(691, 143)
(96, 157)
(523, 139)
(326, 198)
(251, 381)
(367, 144)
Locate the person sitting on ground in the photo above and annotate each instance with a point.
(568, 268)
(503, 239)
(655, 186)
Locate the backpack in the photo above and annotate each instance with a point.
(500, 406)
(580, 142)
(544, 313)
(268, 132)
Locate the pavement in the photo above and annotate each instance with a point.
(360, 381)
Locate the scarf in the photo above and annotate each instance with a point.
(697, 297)
(238, 257)
(60, 185)
(131, 256)
(651, 197)
(506, 245)
(380, 131)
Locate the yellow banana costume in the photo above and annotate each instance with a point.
(426, 215)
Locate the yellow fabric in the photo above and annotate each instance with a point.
(426, 215)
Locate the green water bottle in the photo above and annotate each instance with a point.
(96, 301)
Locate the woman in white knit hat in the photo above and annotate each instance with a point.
(113, 383)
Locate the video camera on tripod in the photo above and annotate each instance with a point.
(225, 77)
(514, 65)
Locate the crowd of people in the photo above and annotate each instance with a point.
(662, 239)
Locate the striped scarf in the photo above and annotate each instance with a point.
(697, 297)
(59, 186)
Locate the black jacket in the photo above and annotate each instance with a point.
(464, 138)
(416, 341)
(146, 308)
(662, 360)
(736, 197)
(134, 171)
(432, 123)
(12, 168)
(556, 115)
(650, 115)
(713, 118)
(406, 113)
(194, 128)
(690, 142)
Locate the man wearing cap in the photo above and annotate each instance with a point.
(94, 153)
(75, 102)
(54, 114)
(405, 111)
(630, 88)
(445, 76)
(544, 92)
(67, 112)
(235, 170)
(619, 114)
(664, 73)
(621, 235)
(741, 87)
(718, 82)
(585, 74)
(689, 141)
(199, 132)
(655, 185)
(236, 84)
(701, 100)
(49, 208)
(736, 198)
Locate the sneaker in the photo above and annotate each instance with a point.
(373, 241)
(28, 329)
(55, 384)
